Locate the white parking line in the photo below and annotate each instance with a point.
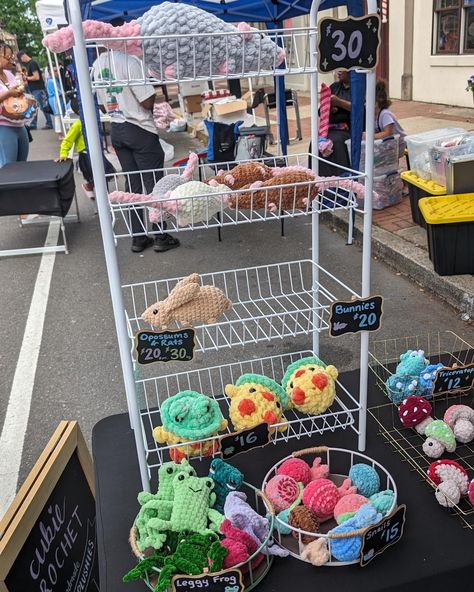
(16, 419)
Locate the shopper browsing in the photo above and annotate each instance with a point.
(36, 87)
(386, 124)
(134, 136)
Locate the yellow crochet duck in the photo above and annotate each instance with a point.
(256, 399)
(310, 385)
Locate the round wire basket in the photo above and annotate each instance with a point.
(257, 565)
(340, 462)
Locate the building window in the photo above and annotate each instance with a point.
(453, 26)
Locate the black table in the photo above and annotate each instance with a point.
(435, 554)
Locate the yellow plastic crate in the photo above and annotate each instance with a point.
(449, 209)
(427, 186)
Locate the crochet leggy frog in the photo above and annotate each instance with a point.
(192, 509)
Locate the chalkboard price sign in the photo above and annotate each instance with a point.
(348, 44)
(49, 541)
(382, 535)
(358, 315)
(245, 440)
(453, 379)
(229, 580)
(165, 346)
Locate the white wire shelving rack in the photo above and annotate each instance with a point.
(271, 302)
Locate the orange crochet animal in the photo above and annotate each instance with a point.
(187, 304)
(291, 196)
(242, 174)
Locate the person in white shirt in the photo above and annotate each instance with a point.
(134, 135)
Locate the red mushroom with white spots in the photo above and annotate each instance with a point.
(470, 492)
(451, 480)
(415, 412)
(460, 418)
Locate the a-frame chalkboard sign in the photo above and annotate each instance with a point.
(48, 536)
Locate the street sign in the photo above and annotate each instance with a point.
(348, 44)
(382, 535)
(165, 346)
(453, 379)
(363, 314)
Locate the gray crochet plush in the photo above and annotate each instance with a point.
(223, 54)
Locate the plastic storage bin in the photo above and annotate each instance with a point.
(389, 189)
(386, 155)
(440, 156)
(419, 146)
(450, 229)
(419, 188)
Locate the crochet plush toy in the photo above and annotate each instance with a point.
(401, 386)
(310, 385)
(322, 495)
(189, 416)
(187, 304)
(230, 49)
(256, 399)
(365, 478)
(426, 379)
(412, 362)
(226, 479)
(241, 175)
(348, 549)
(240, 545)
(166, 474)
(195, 202)
(316, 552)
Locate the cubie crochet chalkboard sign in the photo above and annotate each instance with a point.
(49, 536)
(245, 440)
(229, 580)
(453, 379)
(382, 535)
(348, 44)
(357, 315)
(165, 346)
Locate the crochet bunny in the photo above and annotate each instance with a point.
(241, 175)
(188, 303)
(221, 48)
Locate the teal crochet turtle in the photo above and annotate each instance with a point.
(192, 510)
(256, 399)
(189, 416)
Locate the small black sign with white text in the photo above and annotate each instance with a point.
(165, 346)
(229, 580)
(453, 379)
(363, 314)
(245, 440)
(382, 535)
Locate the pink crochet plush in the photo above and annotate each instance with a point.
(282, 491)
(240, 545)
(163, 115)
(318, 470)
(322, 495)
(296, 468)
(347, 506)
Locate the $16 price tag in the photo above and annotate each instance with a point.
(166, 346)
(245, 440)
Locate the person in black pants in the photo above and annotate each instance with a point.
(134, 137)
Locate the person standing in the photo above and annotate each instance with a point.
(36, 87)
(134, 137)
(14, 144)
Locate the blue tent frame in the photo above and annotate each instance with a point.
(271, 12)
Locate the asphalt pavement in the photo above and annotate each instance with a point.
(78, 376)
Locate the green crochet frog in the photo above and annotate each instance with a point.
(192, 509)
(159, 504)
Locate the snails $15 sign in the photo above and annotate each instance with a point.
(349, 43)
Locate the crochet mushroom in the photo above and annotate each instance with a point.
(440, 438)
(460, 418)
(451, 479)
(415, 412)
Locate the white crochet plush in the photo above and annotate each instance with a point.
(189, 209)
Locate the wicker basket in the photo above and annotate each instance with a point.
(340, 462)
(251, 575)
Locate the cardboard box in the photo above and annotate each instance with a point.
(194, 87)
(225, 110)
(193, 103)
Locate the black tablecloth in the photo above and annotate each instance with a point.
(36, 187)
(435, 554)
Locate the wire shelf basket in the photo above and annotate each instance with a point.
(211, 381)
(169, 59)
(268, 302)
(443, 347)
(233, 207)
(339, 461)
(257, 565)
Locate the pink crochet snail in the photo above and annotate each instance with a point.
(217, 47)
(322, 495)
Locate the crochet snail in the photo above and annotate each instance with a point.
(220, 48)
(188, 303)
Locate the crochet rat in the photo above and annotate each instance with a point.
(220, 48)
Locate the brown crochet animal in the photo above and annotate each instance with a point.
(280, 198)
(187, 304)
(242, 174)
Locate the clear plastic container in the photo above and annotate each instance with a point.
(389, 189)
(440, 156)
(386, 155)
(419, 146)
